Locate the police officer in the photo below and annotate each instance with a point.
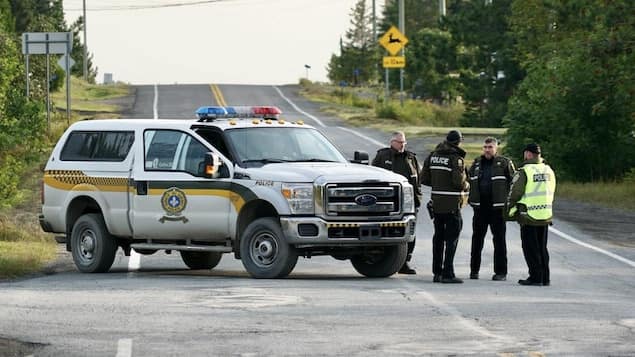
(399, 160)
(490, 177)
(530, 204)
(444, 170)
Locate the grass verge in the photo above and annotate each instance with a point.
(20, 258)
(86, 97)
(608, 194)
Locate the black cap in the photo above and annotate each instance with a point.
(533, 148)
(454, 137)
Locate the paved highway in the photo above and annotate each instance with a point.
(153, 305)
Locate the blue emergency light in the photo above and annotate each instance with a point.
(211, 112)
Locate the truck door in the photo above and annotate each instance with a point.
(171, 198)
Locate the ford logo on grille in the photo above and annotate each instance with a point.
(366, 200)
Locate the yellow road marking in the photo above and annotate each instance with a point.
(218, 95)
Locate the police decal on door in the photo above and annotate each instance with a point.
(174, 202)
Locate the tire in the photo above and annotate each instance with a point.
(201, 260)
(92, 245)
(381, 265)
(264, 251)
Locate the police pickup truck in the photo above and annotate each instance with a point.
(237, 180)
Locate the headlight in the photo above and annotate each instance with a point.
(408, 202)
(299, 196)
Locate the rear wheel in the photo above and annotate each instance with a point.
(201, 260)
(92, 245)
(264, 250)
(381, 262)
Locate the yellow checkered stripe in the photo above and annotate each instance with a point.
(78, 181)
(355, 225)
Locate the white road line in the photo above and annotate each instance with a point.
(362, 136)
(134, 261)
(124, 347)
(587, 245)
(298, 109)
(155, 105)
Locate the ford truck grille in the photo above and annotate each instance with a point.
(376, 199)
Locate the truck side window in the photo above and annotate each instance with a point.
(97, 146)
(168, 150)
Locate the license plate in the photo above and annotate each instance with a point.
(369, 232)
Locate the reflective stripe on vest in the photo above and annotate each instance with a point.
(539, 191)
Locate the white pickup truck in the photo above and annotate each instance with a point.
(266, 189)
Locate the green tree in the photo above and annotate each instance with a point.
(356, 63)
(430, 63)
(577, 100)
(77, 53)
(489, 72)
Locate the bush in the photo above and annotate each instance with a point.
(387, 111)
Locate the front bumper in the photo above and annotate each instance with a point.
(354, 233)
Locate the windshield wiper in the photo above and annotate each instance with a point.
(265, 161)
(312, 160)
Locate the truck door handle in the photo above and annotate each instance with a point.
(142, 187)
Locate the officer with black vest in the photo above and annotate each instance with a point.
(444, 170)
(490, 177)
(399, 160)
(530, 203)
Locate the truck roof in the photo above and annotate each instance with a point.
(223, 124)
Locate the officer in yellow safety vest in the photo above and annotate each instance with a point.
(530, 204)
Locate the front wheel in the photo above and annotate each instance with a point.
(382, 262)
(201, 260)
(92, 245)
(264, 250)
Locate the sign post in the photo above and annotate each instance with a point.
(393, 41)
(48, 43)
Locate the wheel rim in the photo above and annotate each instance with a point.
(87, 246)
(264, 250)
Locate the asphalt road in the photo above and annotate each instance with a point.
(325, 307)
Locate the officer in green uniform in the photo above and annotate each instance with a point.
(530, 204)
(399, 160)
(444, 170)
(490, 177)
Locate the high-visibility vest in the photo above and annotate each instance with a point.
(539, 191)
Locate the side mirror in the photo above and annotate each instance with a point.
(360, 157)
(213, 165)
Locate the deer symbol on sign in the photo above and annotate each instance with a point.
(393, 40)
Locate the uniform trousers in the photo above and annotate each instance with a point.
(493, 219)
(534, 243)
(447, 227)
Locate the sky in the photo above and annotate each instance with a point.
(223, 42)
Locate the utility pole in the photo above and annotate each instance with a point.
(442, 8)
(375, 39)
(85, 47)
(402, 26)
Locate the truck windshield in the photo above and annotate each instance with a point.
(260, 146)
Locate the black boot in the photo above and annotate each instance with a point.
(405, 269)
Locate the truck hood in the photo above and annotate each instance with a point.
(329, 171)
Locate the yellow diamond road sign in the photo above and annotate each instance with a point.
(395, 62)
(393, 40)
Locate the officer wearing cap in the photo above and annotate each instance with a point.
(399, 160)
(490, 177)
(444, 170)
(530, 204)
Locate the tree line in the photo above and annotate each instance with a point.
(23, 136)
(560, 73)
